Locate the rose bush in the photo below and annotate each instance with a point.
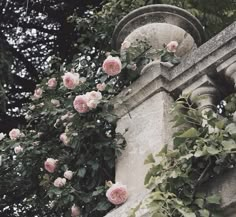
(71, 127)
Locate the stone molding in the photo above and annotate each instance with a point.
(194, 66)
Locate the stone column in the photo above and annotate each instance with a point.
(144, 106)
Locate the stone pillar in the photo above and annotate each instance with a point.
(144, 111)
(146, 128)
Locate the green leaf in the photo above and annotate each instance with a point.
(213, 199)
(220, 124)
(103, 205)
(190, 133)
(212, 150)
(204, 213)
(149, 159)
(231, 128)
(229, 145)
(199, 202)
(186, 213)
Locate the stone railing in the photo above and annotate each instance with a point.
(143, 107)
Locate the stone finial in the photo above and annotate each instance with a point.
(158, 25)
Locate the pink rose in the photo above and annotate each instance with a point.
(38, 93)
(59, 182)
(172, 46)
(125, 45)
(93, 99)
(80, 104)
(117, 194)
(18, 149)
(70, 80)
(50, 165)
(14, 134)
(64, 138)
(112, 65)
(52, 83)
(68, 174)
(55, 102)
(75, 212)
(101, 86)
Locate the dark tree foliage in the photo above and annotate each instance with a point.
(31, 31)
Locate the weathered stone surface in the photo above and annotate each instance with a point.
(155, 80)
(204, 60)
(148, 129)
(225, 186)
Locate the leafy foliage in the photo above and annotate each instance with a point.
(203, 148)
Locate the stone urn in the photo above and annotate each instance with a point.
(158, 25)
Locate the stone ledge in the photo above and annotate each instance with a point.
(202, 61)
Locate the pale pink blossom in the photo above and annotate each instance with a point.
(38, 93)
(94, 95)
(117, 194)
(68, 174)
(125, 45)
(64, 139)
(93, 99)
(52, 83)
(14, 134)
(50, 165)
(101, 86)
(112, 65)
(92, 104)
(75, 211)
(80, 104)
(18, 149)
(55, 102)
(71, 80)
(59, 182)
(172, 46)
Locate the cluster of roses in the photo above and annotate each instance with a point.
(82, 103)
(117, 193)
(113, 66)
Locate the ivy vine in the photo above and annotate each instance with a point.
(200, 153)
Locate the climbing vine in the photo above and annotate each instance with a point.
(203, 148)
